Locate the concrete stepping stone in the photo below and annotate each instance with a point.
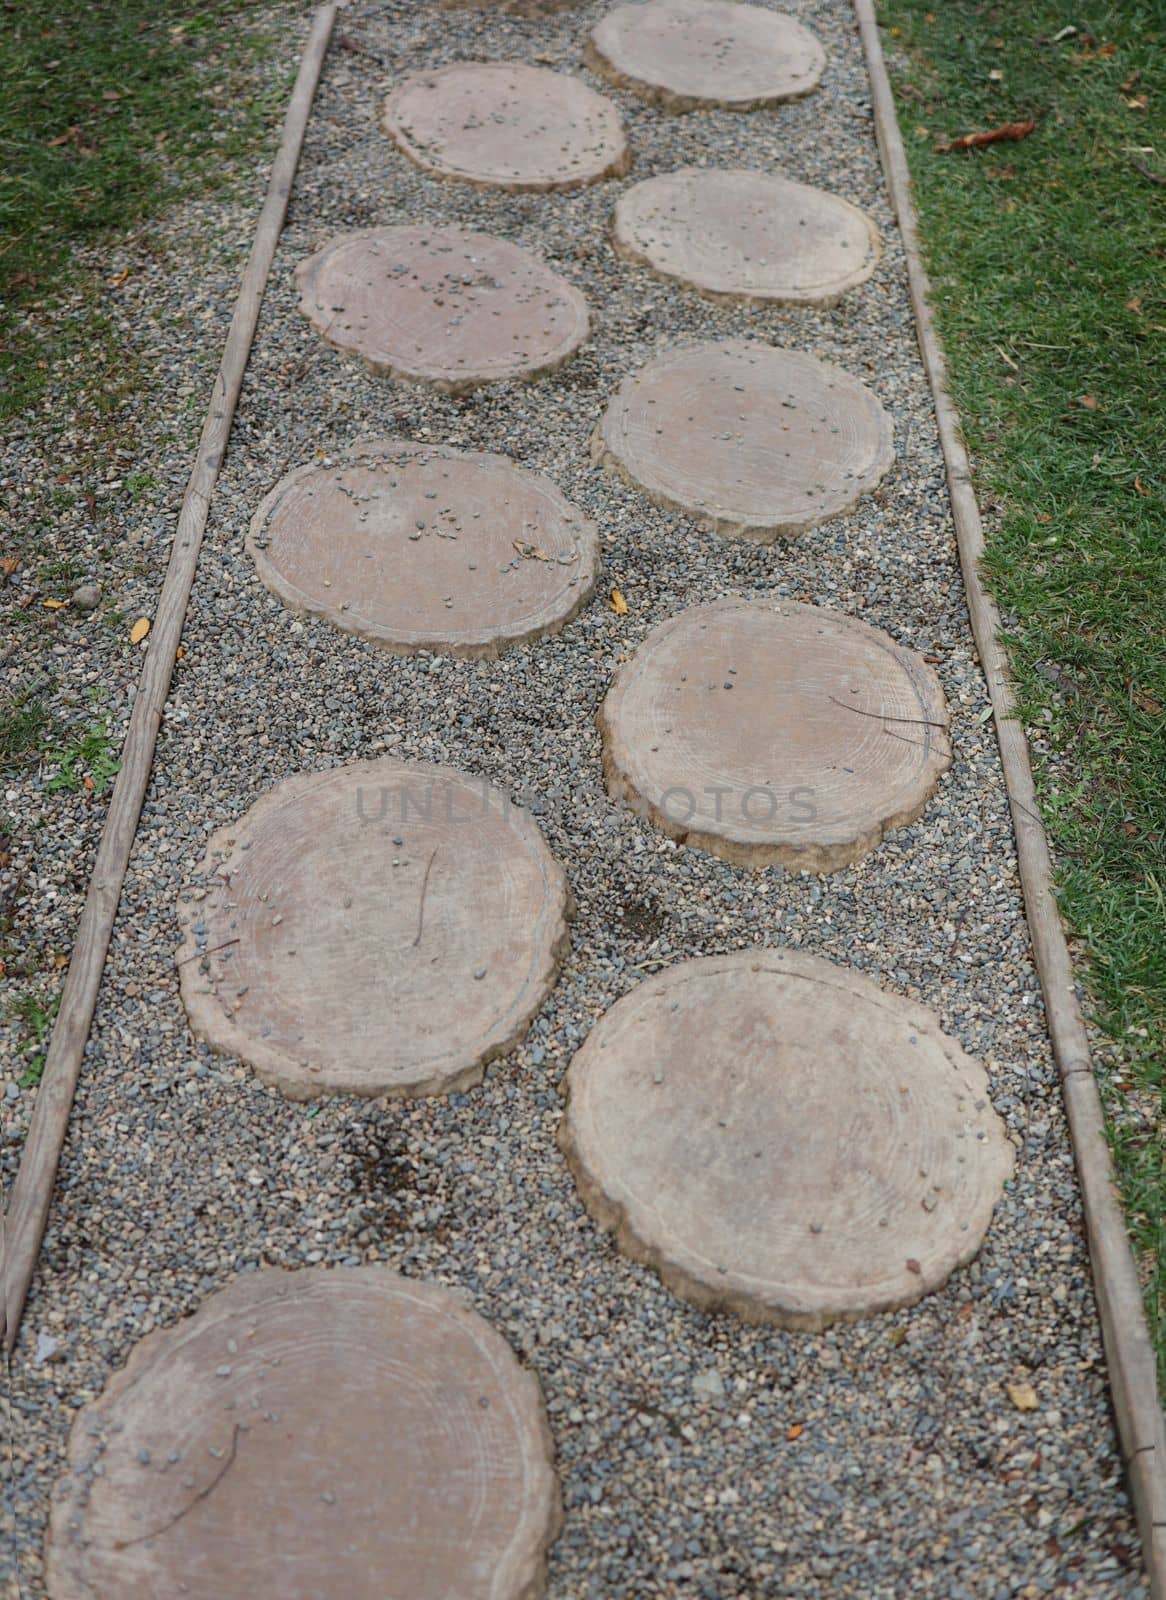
(689, 53)
(507, 125)
(325, 1432)
(753, 440)
(776, 1136)
(768, 732)
(441, 306)
(747, 236)
(385, 928)
(423, 547)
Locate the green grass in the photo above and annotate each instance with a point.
(1047, 260)
(24, 721)
(34, 1015)
(110, 110)
(86, 761)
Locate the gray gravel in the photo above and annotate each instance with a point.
(698, 1457)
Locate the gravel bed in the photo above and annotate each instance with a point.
(699, 1457)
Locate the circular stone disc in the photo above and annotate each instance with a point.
(385, 929)
(507, 124)
(422, 547)
(329, 1432)
(753, 440)
(442, 306)
(766, 731)
(689, 53)
(778, 1137)
(747, 236)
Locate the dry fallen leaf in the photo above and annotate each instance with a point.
(54, 605)
(1088, 401)
(1022, 1395)
(1141, 487)
(913, 1266)
(973, 141)
(1129, 83)
(796, 1431)
(1137, 102)
(139, 630)
(1135, 304)
(618, 604)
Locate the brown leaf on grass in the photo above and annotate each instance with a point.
(72, 135)
(1137, 102)
(1128, 85)
(975, 141)
(1140, 487)
(1087, 400)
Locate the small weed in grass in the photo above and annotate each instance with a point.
(36, 1016)
(1046, 263)
(86, 761)
(140, 486)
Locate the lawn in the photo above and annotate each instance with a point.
(112, 112)
(1048, 263)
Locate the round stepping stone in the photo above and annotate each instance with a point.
(508, 125)
(441, 306)
(327, 1432)
(423, 547)
(747, 236)
(770, 732)
(385, 928)
(754, 441)
(688, 53)
(778, 1137)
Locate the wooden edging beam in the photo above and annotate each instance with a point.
(28, 1207)
(1128, 1349)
